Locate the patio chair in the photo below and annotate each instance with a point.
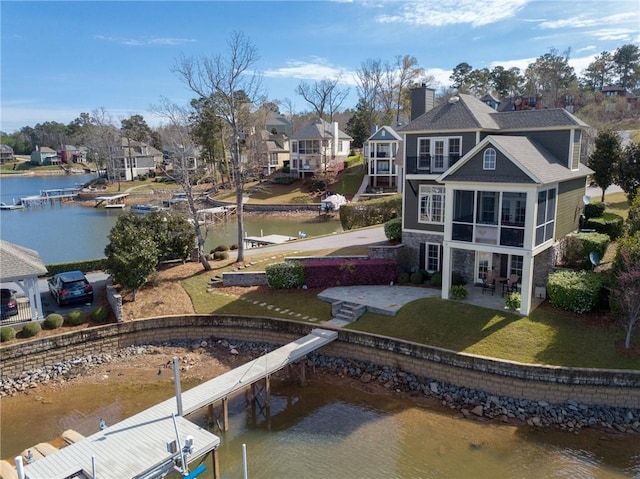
(489, 283)
(511, 284)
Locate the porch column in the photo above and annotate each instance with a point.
(446, 270)
(526, 286)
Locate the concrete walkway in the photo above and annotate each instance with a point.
(379, 299)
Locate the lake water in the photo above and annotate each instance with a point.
(329, 431)
(70, 232)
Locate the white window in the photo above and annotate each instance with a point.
(340, 146)
(546, 217)
(432, 258)
(294, 146)
(431, 200)
(424, 156)
(489, 159)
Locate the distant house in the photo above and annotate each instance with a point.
(614, 91)
(6, 154)
(70, 154)
(43, 155)
(182, 160)
(131, 159)
(268, 151)
(277, 123)
(380, 152)
(318, 147)
(490, 191)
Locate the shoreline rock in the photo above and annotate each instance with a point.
(471, 403)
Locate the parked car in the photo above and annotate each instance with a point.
(70, 287)
(8, 302)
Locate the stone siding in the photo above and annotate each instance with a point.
(115, 301)
(537, 383)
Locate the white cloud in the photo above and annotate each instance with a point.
(143, 42)
(583, 21)
(315, 69)
(452, 12)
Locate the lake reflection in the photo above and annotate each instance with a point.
(339, 431)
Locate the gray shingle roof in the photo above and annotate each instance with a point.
(469, 113)
(318, 130)
(19, 262)
(536, 160)
(378, 134)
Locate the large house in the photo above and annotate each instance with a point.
(43, 155)
(319, 147)
(380, 154)
(268, 152)
(6, 154)
(132, 158)
(490, 191)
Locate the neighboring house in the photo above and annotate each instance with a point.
(132, 158)
(269, 152)
(70, 154)
(613, 91)
(487, 190)
(380, 152)
(318, 148)
(44, 156)
(278, 123)
(6, 154)
(182, 160)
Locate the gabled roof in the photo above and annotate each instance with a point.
(318, 130)
(469, 113)
(532, 158)
(388, 130)
(18, 262)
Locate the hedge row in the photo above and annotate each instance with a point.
(577, 291)
(368, 213)
(609, 223)
(340, 272)
(84, 266)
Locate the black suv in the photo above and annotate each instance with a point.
(70, 287)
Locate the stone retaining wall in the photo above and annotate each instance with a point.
(255, 208)
(115, 301)
(536, 383)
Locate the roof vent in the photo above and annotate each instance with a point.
(454, 99)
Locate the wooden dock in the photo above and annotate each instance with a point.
(257, 241)
(112, 201)
(137, 447)
(50, 196)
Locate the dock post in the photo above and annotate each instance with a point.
(267, 392)
(225, 414)
(216, 464)
(303, 373)
(176, 381)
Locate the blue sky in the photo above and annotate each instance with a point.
(60, 59)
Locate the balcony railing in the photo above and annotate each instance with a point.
(429, 164)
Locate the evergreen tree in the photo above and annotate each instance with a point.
(628, 170)
(604, 158)
(359, 126)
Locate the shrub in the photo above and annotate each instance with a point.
(576, 248)
(609, 223)
(459, 292)
(31, 329)
(53, 321)
(416, 277)
(512, 301)
(7, 333)
(404, 278)
(221, 247)
(436, 279)
(220, 255)
(368, 213)
(594, 210)
(393, 229)
(457, 279)
(577, 291)
(75, 318)
(340, 272)
(233, 247)
(285, 275)
(99, 315)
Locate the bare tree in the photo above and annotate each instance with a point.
(324, 96)
(229, 84)
(102, 138)
(177, 136)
